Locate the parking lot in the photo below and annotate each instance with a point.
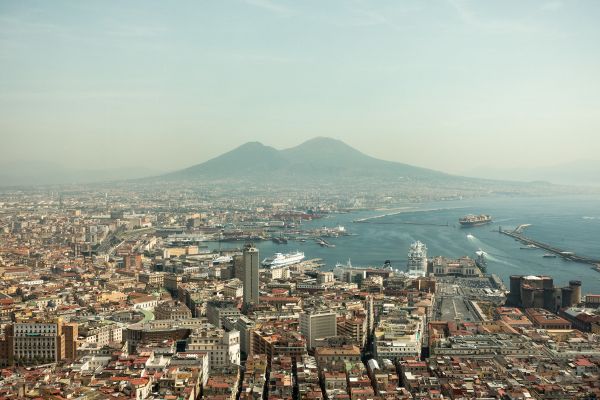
(452, 298)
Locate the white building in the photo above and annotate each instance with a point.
(144, 303)
(398, 336)
(223, 348)
(318, 325)
(417, 259)
(233, 289)
(102, 333)
(282, 272)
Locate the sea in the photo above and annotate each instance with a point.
(571, 223)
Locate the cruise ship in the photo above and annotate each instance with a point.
(223, 260)
(281, 260)
(417, 259)
(474, 220)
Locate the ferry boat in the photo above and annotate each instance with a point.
(222, 260)
(480, 260)
(475, 220)
(281, 260)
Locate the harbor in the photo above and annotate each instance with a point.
(517, 234)
(374, 243)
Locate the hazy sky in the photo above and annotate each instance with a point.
(443, 84)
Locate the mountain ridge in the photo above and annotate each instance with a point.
(317, 159)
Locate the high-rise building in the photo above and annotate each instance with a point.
(318, 325)
(251, 284)
(417, 259)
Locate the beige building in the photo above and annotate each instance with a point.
(333, 357)
(33, 342)
(102, 332)
(234, 289)
(153, 278)
(317, 325)
(463, 266)
(174, 310)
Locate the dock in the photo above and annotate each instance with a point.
(565, 254)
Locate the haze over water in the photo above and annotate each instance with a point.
(571, 223)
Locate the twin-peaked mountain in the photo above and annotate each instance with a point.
(318, 160)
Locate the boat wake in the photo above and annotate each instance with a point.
(490, 257)
(407, 210)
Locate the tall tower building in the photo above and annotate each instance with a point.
(251, 266)
(417, 259)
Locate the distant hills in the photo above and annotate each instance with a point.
(36, 173)
(582, 172)
(317, 160)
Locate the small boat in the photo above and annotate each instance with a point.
(323, 243)
(549, 255)
(529, 247)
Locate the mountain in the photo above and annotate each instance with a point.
(334, 157)
(252, 158)
(319, 160)
(582, 172)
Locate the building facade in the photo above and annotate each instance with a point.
(317, 326)
(223, 348)
(40, 341)
(251, 275)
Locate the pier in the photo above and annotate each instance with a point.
(567, 255)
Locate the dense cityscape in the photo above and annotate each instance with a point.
(299, 200)
(116, 294)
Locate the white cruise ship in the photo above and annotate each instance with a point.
(222, 260)
(281, 260)
(417, 259)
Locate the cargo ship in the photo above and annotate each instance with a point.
(474, 220)
(281, 260)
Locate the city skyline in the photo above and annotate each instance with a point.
(271, 199)
(84, 85)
